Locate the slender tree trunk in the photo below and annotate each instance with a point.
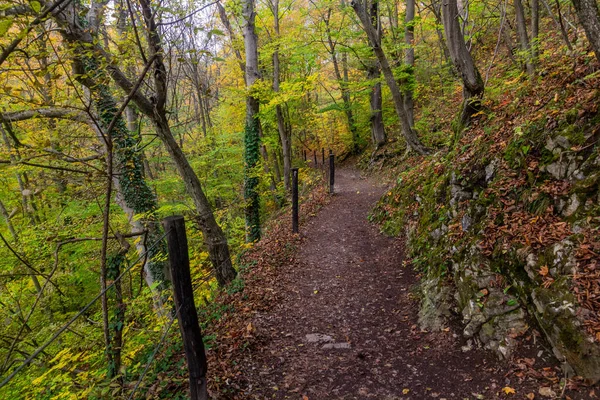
(589, 17)
(462, 60)
(276, 167)
(8, 222)
(410, 136)
(26, 202)
(436, 7)
(559, 23)
(284, 137)
(535, 29)
(524, 43)
(341, 75)
(409, 59)
(378, 135)
(348, 104)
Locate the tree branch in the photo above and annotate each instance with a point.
(51, 112)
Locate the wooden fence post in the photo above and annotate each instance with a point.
(295, 200)
(179, 264)
(331, 172)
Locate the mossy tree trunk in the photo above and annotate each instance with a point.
(83, 43)
(251, 131)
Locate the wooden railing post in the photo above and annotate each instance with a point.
(295, 200)
(331, 172)
(179, 264)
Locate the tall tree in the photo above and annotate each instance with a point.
(462, 60)
(341, 73)
(409, 134)
(285, 136)
(409, 58)
(524, 44)
(83, 43)
(589, 17)
(378, 135)
(252, 129)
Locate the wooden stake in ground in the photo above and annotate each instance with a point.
(295, 200)
(179, 264)
(331, 172)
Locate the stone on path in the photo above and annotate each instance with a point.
(341, 345)
(318, 338)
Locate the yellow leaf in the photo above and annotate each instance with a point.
(530, 396)
(405, 391)
(508, 390)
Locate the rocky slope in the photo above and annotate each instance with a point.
(504, 227)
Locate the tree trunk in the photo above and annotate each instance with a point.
(523, 39)
(213, 234)
(286, 145)
(341, 75)
(251, 131)
(409, 37)
(559, 23)
(214, 237)
(276, 167)
(378, 135)
(14, 157)
(436, 7)
(589, 17)
(535, 29)
(8, 222)
(81, 39)
(462, 60)
(410, 136)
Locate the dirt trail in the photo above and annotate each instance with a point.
(347, 325)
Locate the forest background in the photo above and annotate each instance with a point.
(115, 114)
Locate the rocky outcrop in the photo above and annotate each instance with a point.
(502, 290)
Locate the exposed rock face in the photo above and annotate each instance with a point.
(499, 296)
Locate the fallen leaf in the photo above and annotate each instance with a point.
(544, 270)
(405, 391)
(530, 396)
(547, 392)
(508, 390)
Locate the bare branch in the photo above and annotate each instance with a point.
(51, 112)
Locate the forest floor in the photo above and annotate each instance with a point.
(343, 323)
